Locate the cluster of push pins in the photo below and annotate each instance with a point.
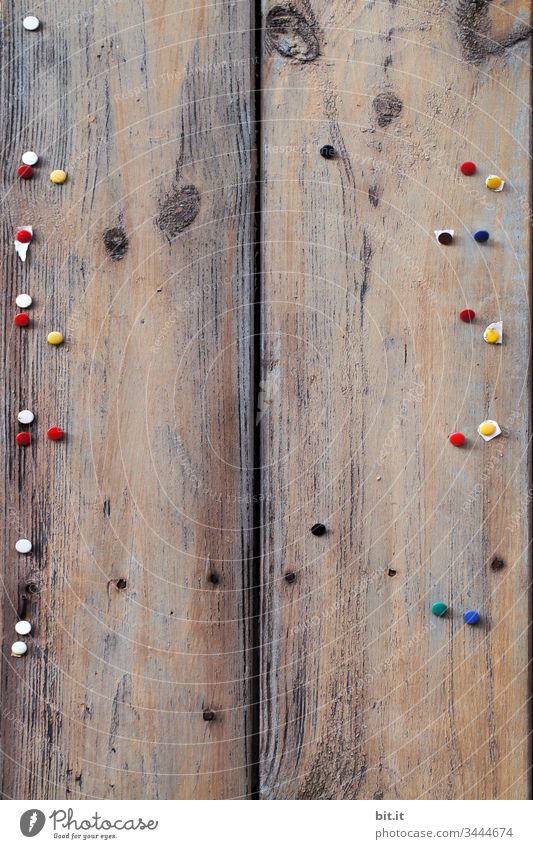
(493, 334)
(23, 238)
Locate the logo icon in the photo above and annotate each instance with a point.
(32, 822)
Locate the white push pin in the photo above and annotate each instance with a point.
(23, 628)
(31, 23)
(30, 158)
(23, 546)
(25, 417)
(19, 648)
(23, 301)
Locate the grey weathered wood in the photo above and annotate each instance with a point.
(365, 694)
(148, 105)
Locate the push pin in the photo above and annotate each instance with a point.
(30, 158)
(439, 608)
(55, 338)
(494, 183)
(23, 438)
(468, 168)
(21, 319)
(457, 439)
(489, 429)
(23, 628)
(23, 546)
(25, 172)
(481, 236)
(23, 238)
(327, 151)
(58, 176)
(471, 617)
(23, 301)
(467, 315)
(25, 417)
(19, 648)
(494, 333)
(55, 433)
(318, 529)
(444, 237)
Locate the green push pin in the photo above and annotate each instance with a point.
(438, 608)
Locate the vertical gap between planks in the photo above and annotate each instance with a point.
(256, 22)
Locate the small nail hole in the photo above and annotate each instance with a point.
(32, 589)
(497, 564)
(121, 584)
(208, 715)
(213, 578)
(391, 573)
(290, 577)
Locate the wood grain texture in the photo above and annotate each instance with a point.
(140, 521)
(365, 694)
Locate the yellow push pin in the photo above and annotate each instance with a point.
(494, 183)
(58, 176)
(494, 333)
(55, 338)
(489, 429)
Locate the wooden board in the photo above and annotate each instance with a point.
(143, 259)
(365, 693)
(211, 421)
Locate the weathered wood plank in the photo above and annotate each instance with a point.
(143, 260)
(365, 694)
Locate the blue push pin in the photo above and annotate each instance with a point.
(481, 235)
(471, 617)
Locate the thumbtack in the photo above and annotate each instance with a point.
(467, 315)
(481, 235)
(25, 172)
(327, 151)
(439, 608)
(444, 237)
(23, 628)
(19, 648)
(21, 319)
(468, 168)
(471, 617)
(23, 438)
(23, 546)
(318, 529)
(55, 433)
(457, 439)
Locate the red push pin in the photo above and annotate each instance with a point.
(467, 315)
(23, 438)
(21, 319)
(55, 433)
(23, 236)
(468, 168)
(25, 171)
(457, 439)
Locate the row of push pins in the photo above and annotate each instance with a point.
(493, 334)
(23, 238)
(440, 608)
